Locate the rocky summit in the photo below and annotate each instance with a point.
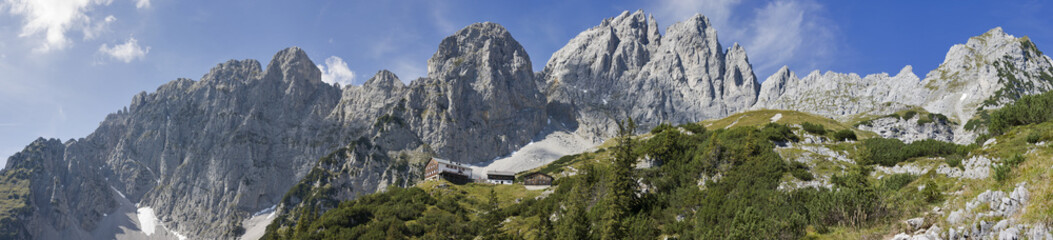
(204, 159)
(625, 68)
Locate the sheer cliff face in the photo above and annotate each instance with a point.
(51, 196)
(479, 100)
(202, 154)
(221, 152)
(625, 68)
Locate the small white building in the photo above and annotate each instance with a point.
(500, 177)
(451, 171)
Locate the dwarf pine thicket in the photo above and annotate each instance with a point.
(736, 197)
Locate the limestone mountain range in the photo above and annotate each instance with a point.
(206, 155)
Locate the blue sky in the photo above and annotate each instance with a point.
(65, 64)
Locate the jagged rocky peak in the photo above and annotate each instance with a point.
(740, 84)
(989, 46)
(485, 44)
(618, 46)
(694, 39)
(485, 58)
(480, 99)
(775, 86)
(840, 95)
(234, 70)
(987, 72)
(625, 68)
(384, 79)
(293, 65)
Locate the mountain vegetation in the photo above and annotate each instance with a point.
(719, 184)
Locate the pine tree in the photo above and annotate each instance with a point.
(622, 185)
(492, 219)
(574, 224)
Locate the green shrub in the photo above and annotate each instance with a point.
(662, 127)
(816, 129)
(897, 181)
(981, 139)
(953, 161)
(778, 133)
(694, 128)
(972, 124)
(938, 117)
(1027, 110)
(1002, 170)
(845, 135)
(1034, 137)
(800, 171)
(889, 152)
(1015, 160)
(909, 114)
(983, 121)
(932, 192)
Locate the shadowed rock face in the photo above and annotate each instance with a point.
(625, 68)
(204, 153)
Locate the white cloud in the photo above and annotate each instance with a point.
(126, 52)
(335, 70)
(95, 30)
(142, 4)
(790, 32)
(776, 33)
(440, 17)
(52, 19)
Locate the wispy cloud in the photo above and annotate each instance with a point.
(782, 35)
(52, 19)
(408, 69)
(126, 52)
(440, 17)
(335, 70)
(775, 33)
(142, 4)
(98, 28)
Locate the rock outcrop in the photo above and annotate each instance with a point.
(983, 74)
(54, 197)
(986, 72)
(910, 130)
(840, 95)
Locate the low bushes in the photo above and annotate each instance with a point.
(816, 129)
(889, 152)
(845, 135)
(1027, 110)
